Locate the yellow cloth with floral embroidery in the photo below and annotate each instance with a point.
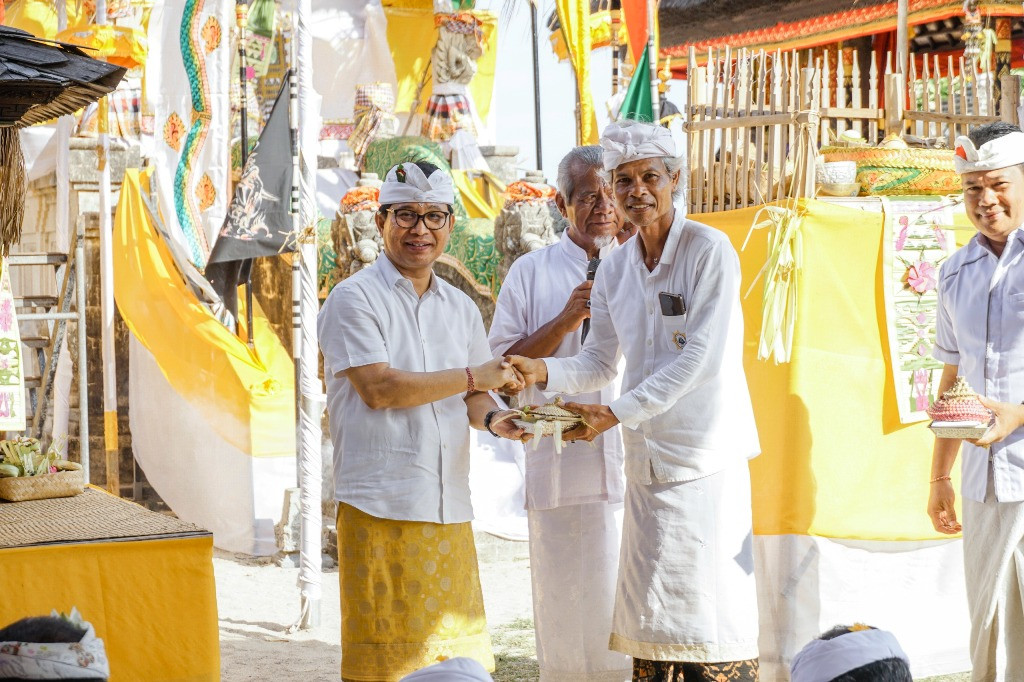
(410, 596)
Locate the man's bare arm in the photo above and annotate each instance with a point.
(382, 387)
(941, 496)
(543, 342)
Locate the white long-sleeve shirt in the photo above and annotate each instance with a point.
(685, 403)
(534, 292)
(980, 327)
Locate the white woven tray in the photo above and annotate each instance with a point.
(958, 429)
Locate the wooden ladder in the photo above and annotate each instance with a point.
(56, 311)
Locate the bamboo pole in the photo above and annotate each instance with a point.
(652, 60)
(110, 440)
(62, 380)
(310, 400)
(902, 35)
(536, 83)
(616, 14)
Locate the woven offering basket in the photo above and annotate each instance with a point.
(547, 415)
(885, 171)
(45, 486)
(549, 426)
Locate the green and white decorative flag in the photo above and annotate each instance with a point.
(637, 103)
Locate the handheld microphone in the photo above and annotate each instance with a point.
(591, 274)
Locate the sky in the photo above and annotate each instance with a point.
(513, 85)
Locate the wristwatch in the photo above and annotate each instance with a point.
(487, 422)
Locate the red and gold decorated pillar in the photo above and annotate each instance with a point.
(1003, 46)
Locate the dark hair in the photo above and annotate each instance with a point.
(42, 630)
(427, 167)
(885, 670)
(991, 131)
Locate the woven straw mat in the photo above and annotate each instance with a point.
(89, 517)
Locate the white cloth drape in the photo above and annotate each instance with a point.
(574, 560)
(686, 587)
(994, 575)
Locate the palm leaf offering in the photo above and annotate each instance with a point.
(781, 274)
(23, 457)
(545, 420)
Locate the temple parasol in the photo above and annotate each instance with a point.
(40, 80)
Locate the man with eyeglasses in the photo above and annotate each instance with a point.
(573, 498)
(408, 368)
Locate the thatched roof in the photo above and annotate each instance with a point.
(43, 79)
(797, 24)
(694, 21)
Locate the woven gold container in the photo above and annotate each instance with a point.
(60, 484)
(884, 171)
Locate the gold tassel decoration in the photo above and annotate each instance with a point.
(12, 189)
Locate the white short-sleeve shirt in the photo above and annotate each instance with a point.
(534, 292)
(685, 404)
(980, 327)
(412, 463)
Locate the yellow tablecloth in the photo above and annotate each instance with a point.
(152, 601)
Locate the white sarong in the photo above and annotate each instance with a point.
(574, 557)
(994, 573)
(686, 589)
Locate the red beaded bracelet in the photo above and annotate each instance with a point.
(940, 478)
(470, 382)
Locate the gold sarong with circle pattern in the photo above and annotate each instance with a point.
(410, 596)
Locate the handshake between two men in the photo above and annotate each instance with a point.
(511, 374)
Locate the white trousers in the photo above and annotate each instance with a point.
(686, 587)
(574, 558)
(994, 573)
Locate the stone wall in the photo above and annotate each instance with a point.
(40, 235)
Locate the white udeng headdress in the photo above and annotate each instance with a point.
(1001, 152)
(826, 659)
(452, 670)
(85, 659)
(632, 141)
(406, 183)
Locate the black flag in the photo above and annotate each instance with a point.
(258, 222)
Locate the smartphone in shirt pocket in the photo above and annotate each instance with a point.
(671, 304)
(673, 310)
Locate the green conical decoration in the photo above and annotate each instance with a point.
(637, 103)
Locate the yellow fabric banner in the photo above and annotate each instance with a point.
(600, 35)
(248, 396)
(836, 461)
(574, 16)
(482, 194)
(152, 602)
(408, 22)
(39, 17)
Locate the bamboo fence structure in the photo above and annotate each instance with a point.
(754, 120)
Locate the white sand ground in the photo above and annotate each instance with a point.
(257, 601)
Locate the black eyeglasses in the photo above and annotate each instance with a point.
(407, 218)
